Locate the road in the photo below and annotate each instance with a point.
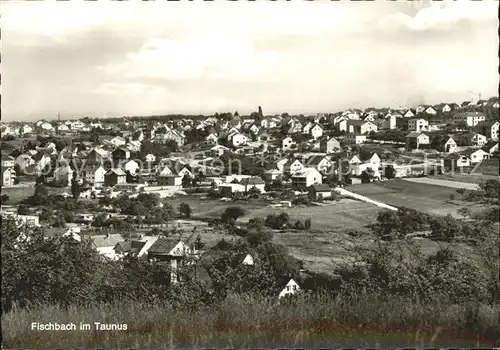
(445, 183)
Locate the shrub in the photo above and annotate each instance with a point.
(307, 224)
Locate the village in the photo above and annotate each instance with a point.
(195, 169)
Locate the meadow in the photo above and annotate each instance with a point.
(241, 321)
(431, 199)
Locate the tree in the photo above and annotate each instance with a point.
(452, 197)
(390, 172)
(186, 181)
(307, 224)
(23, 210)
(75, 186)
(4, 198)
(232, 213)
(185, 210)
(254, 192)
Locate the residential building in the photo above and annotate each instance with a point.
(238, 140)
(8, 176)
(287, 286)
(105, 244)
(316, 191)
(63, 174)
(355, 139)
(491, 147)
(94, 175)
(329, 145)
(26, 129)
(305, 178)
(418, 124)
(287, 143)
(115, 176)
(475, 155)
(169, 180)
(470, 118)
(417, 140)
(172, 252)
(473, 139)
(489, 129)
(316, 131)
(320, 163)
(454, 161)
(360, 127)
(8, 161)
(292, 166)
(448, 145)
(218, 150)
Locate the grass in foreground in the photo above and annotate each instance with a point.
(243, 321)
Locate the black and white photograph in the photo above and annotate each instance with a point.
(250, 174)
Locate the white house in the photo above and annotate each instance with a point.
(238, 140)
(305, 178)
(355, 139)
(62, 127)
(293, 166)
(94, 175)
(77, 125)
(289, 288)
(287, 143)
(470, 118)
(430, 110)
(8, 176)
(63, 174)
(218, 150)
(150, 157)
(248, 260)
(449, 146)
(476, 155)
(409, 114)
(418, 124)
(361, 127)
(26, 129)
(415, 140)
(8, 161)
(118, 141)
(131, 166)
(105, 244)
(316, 131)
(46, 126)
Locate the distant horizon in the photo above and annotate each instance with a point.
(159, 58)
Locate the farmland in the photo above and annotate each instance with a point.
(431, 199)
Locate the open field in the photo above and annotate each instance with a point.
(18, 193)
(431, 199)
(335, 216)
(472, 178)
(445, 183)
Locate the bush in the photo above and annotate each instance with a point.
(307, 224)
(185, 210)
(232, 213)
(299, 225)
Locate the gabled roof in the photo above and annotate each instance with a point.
(321, 188)
(116, 171)
(315, 160)
(164, 245)
(468, 152)
(252, 181)
(415, 134)
(106, 241)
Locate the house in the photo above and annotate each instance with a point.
(26, 129)
(77, 125)
(136, 247)
(120, 153)
(41, 160)
(73, 232)
(421, 109)
(430, 110)
(409, 114)
(218, 150)
(169, 180)
(238, 139)
(448, 145)
(418, 124)
(292, 166)
(247, 260)
(316, 131)
(8, 161)
(417, 140)
(305, 178)
(320, 163)
(454, 161)
(271, 175)
(287, 143)
(329, 145)
(114, 177)
(105, 244)
(360, 127)
(8, 176)
(94, 175)
(472, 139)
(131, 166)
(46, 126)
(294, 127)
(489, 129)
(254, 129)
(62, 127)
(171, 251)
(211, 138)
(264, 135)
(118, 141)
(366, 163)
(470, 118)
(355, 139)
(316, 191)
(172, 135)
(24, 161)
(150, 158)
(491, 147)
(287, 286)
(256, 182)
(63, 174)
(475, 155)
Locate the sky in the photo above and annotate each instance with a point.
(147, 58)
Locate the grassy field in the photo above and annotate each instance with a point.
(430, 199)
(351, 321)
(473, 178)
(18, 193)
(335, 216)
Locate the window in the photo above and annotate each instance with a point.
(288, 288)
